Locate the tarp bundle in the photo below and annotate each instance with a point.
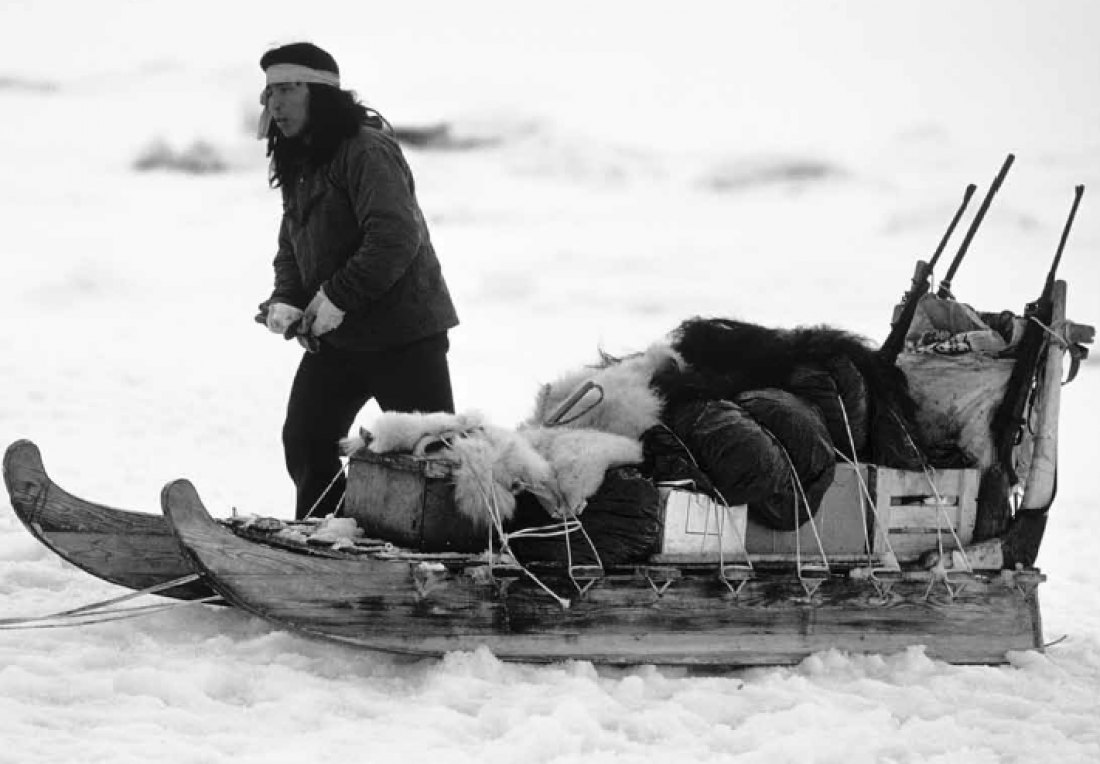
(757, 416)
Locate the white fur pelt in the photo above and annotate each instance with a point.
(494, 464)
(628, 405)
(578, 460)
(400, 431)
(563, 467)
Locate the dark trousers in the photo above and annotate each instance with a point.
(330, 388)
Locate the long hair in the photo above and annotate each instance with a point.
(334, 116)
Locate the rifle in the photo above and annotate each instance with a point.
(1009, 418)
(944, 291)
(918, 288)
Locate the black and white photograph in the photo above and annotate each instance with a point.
(586, 382)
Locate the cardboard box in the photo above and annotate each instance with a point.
(697, 528)
(902, 509)
(845, 525)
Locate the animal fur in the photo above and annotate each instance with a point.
(628, 404)
(725, 357)
(579, 460)
(400, 431)
(562, 467)
(494, 464)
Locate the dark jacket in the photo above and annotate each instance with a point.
(353, 225)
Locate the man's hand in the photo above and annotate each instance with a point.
(321, 315)
(280, 316)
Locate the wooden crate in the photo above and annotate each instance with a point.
(843, 523)
(696, 528)
(409, 502)
(918, 520)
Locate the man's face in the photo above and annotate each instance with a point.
(288, 103)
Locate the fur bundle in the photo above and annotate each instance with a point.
(494, 464)
(625, 402)
(725, 358)
(562, 467)
(579, 459)
(400, 431)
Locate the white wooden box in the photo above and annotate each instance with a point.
(697, 528)
(926, 510)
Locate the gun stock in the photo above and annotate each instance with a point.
(1009, 418)
(903, 316)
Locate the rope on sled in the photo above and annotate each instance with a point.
(942, 514)
(101, 612)
(489, 499)
(799, 567)
(721, 522)
(324, 493)
(865, 499)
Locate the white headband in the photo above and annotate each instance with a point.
(278, 74)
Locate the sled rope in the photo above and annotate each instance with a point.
(865, 495)
(1060, 338)
(809, 515)
(324, 493)
(942, 514)
(493, 510)
(95, 611)
(865, 498)
(112, 601)
(92, 618)
(721, 524)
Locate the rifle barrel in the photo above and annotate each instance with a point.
(970, 189)
(944, 290)
(1078, 192)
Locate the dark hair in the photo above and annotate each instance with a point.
(302, 54)
(334, 116)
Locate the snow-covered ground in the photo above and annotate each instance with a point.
(784, 163)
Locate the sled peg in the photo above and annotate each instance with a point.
(584, 576)
(735, 577)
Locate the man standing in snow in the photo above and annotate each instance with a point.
(356, 276)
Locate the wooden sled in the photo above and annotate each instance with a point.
(130, 549)
(658, 614)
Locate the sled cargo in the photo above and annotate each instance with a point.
(892, 559)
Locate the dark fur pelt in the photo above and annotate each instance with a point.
(726, 357)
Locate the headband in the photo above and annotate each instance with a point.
(278, 74)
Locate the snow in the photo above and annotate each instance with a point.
(784, 163)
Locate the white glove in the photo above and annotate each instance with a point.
(280, 316)
(321, 315)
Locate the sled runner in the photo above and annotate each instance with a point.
(130, 549)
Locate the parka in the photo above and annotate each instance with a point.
(353, 226)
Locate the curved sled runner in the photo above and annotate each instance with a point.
(130, 549)
(657, 614)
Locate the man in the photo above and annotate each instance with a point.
(356, 276)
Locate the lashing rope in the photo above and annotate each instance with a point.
(324, 493)
(100, 612)
(942, 514)
(490, 504)
(721, 522)
(865, 496)
(809, 515)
